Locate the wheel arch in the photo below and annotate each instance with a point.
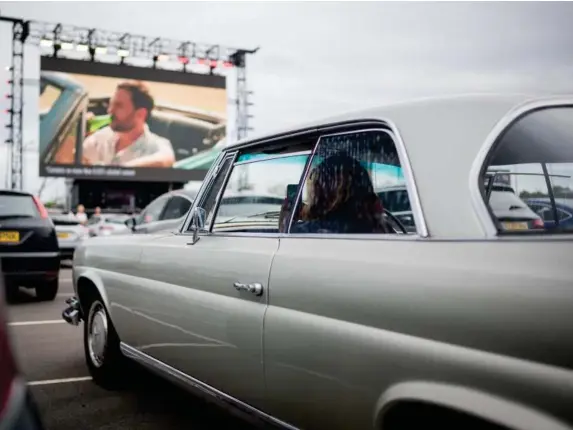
(475, 403)
(87, 280)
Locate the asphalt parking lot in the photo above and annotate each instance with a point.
(50, 354)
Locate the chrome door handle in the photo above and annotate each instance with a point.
(256, 288)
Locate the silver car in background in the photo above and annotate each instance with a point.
(107, 224)
(70, 233)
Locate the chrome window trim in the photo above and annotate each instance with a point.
(205, 186)
(209, 230)
(189, 382)
(410, 182)
(273, 157)
(514, 114)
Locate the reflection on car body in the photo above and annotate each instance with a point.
(317, 322)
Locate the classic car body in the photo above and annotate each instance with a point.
(64, 121)
(459, 324)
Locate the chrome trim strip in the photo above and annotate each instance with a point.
(190, 382)
(205, 186)
(514, 114)
(232, 157)
(273, 157)
(29, 254)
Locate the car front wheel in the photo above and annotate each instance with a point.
(101, 346)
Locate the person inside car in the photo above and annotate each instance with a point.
(341, 199)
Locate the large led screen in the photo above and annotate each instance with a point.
(119, 122)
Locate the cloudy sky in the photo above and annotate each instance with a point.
(322, 58)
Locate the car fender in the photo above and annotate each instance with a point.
(473, 402)
(91, 275)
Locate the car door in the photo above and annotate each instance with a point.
(207, 311)
(321, 358)
(172, 216)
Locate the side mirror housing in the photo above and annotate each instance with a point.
(198, 217)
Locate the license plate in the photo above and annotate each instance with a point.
(9, 236)
(516, 226)
(63, 235)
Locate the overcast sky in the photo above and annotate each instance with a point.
(322, 58)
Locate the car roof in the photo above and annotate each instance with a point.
(443, 137)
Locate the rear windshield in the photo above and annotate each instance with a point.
(17, 206)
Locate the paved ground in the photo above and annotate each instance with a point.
(50, 354)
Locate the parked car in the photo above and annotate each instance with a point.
(28, 245)
(70, 233)
(543, 207)
(107, 224)
(18, 410)
(334, 321)
(164, 213)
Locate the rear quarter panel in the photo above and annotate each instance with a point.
(350, 319)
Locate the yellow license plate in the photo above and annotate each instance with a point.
(515, 226)
(9, 236)
(62, 235)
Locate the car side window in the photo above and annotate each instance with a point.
(259, 193)
(355, 185)
(175, 208)
(528, 177)
(153, 211)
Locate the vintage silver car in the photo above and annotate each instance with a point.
(327, 313)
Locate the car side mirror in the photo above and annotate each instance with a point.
(198, 216)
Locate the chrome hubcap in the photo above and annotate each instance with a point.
(97, 334)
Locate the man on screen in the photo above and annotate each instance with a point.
(127, 141)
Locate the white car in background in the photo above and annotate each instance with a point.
(70, 233)
(107, 224)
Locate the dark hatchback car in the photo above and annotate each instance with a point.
(29, 250)
(18, 410)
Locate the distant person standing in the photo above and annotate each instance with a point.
(81, 214)
(127, 141)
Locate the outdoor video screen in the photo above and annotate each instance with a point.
(108, 121)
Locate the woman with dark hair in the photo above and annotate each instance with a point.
(341, 199)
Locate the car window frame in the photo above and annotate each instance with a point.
(261, 160)
(206, 186)
(485, 215)
(326, 130)
(408, 182)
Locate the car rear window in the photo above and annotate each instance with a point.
(12, 205)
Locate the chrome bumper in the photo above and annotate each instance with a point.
(73, 313)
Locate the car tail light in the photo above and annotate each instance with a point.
(41, 208)
(7, 369)
(106, 228)
(537, 223)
